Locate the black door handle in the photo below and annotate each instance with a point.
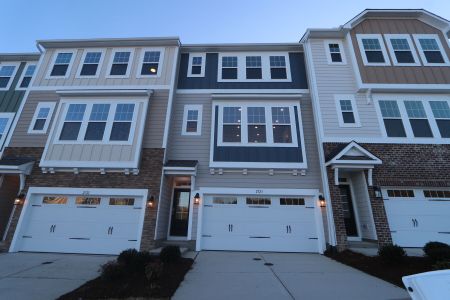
(231, 227)
(417, 223)
(112, 228)
(287, 229)
(290, 230)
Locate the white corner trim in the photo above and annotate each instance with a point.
(202, 66)
(199, 109)
(412, 49)
(172, 88)
(99, 65)
(51, 106)
(326, 44)
(362, 51)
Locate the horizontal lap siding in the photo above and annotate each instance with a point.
(156, 119)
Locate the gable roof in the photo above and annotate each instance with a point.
(351, 153)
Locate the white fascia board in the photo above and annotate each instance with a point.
(259, 191)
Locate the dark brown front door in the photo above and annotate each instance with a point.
(180, 212)
(347, 208)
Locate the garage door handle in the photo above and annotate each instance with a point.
(417, 223)
(231, 227)
(290, 230)
(52, 228)
(287, 229)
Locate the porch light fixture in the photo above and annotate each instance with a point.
(321, 201)
(197, 198)
(20, 199)
(377, 191)
(151, 201)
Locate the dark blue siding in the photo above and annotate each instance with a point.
(257, 154)
(298, 74)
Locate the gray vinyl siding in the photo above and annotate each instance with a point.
(164, 79)
(164, 207)
(198, 148)
(362, 206)
(340, 80)
(10, 100)
(156, 119)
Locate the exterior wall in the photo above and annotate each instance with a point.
(8, 192)
(198, 148)
(149, 178)
(359, 185)
(71, 80)
(10, 100)
(164, 207)
(209, 81)
(395, 74)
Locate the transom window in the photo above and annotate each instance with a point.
(224, 200)
(54, 200)
(6, 74)
(431, 50)
(196, 67)
(28, 74)
(441, 113)
(150, 63)
(120, 63)
(392, 118)
(62, 63)
(229, 67)
(278, 67)
(401, 193)
(258, 201)
(372, 49)
(91, 63)
(292, 201)
(253, 67)
(436, 194)
(192, 120)
(41, 118)
(418, 119)
(402, 50)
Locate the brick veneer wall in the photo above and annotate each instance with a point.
(149, 177)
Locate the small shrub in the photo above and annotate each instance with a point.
(442, 265)
(392, 254)
(153, 272)
(170, 254)
(437, 251)
(112, 271)
(134, 261)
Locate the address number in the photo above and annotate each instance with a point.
(259, 191)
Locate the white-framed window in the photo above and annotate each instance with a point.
(373, 51)
(347, 111)
(257, 124)
(441, 114)
(335, 52)
(5, 123)
(41, 118)
(192, 120)
(431, 50)
(392, 118)
(418, 118)
(402, 50)
(91, 63)
(61, 64)
(150, 62)
(92, 122)
(7, 73)
(27, 74)
(120, 63)
(196, 66)
(254, 67)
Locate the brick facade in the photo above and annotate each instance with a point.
(149, 177)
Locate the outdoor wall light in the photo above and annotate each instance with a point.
(20, 199)
(377, 191)
(151, 201)
(321, 201)
(197, 198)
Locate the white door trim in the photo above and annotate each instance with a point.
(355, 210)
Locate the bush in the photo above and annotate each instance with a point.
(170, 254)
(113, 271)
(153, 272)
(441, 265)
(134, 261)
(437, 251)
(392, 254)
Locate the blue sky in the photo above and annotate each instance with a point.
(194, 21)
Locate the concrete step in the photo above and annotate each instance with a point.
(157, 251)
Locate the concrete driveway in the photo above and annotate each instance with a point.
(45, 275)
(236, 275)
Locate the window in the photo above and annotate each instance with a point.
(278, 67)
(431, 50)
(72, 123)
(63, 61)
(436, 194)
(192, 120)
(87, 200)
(7, 73)
(402, 50)
(122, 122)
(92, 61)
(392, 118)
(120, 63)
(24, 82)
(229, 67)
(253, 67)
(54, 200)
(281, 125)
(347, 111)
(224, 200)
(256, 124)
(121, 201)
(418, 119)
(196, 67)
(335, 54)
(292, 201)
(97, 122)
(441, 113)
(232, 124)
(5, 123)
(258, 201)
(372, 49)
(150, 63)
(400, 193)
(41, 117)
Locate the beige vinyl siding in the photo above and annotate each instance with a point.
(198, 147)
(394, 74)
(156, 119)
(340, 80)
(164, 79)
(362, 207)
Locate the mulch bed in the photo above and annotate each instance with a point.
(135, 286)
(373, 265)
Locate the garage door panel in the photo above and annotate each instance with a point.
(410, 238)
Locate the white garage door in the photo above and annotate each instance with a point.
(81, 224)
(418, 216)
(249, 223)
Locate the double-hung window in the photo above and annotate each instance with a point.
(418, 119)
(122, 122)
(347, 111)
(91, 64)
(24, 82)
(232, 124)
(150, 63)
(229, 67)
(61, 66)
(256, 124)
(7, 73)
(281, 125)
(402, 50)
(196, 66)
(372, 50)
(41, 119)
(253, 67)
(392, 118)
(120, 63)
(441, 113)
(5, 123)
(431, 50)
(334, 50)
(278, 67)
(72, 122)
(97, 122)
(192, 120)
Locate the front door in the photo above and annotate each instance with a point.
(180, 212)
(348, 211)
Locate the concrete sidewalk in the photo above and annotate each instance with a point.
(45, 275)
(237, 275)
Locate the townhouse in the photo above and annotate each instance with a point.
(380, 86)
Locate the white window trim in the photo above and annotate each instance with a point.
(16, 68)
(51, 106)
(22, 76)
(69, 68)
(100, 63)
(141, 62)
(425, 99)
(422, 54)
(265, 65)
(199, 109)
(388, 38)
(339, 111)
(10, 117)
(129, 65)
(202, 67)
(359, 38)
(84, 123)
(341, 48)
